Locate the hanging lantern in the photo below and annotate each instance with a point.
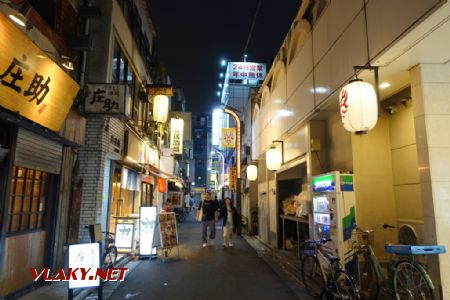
(160, 108)
(359, 106)
(162, 186)
(273, 159)
(252, 172)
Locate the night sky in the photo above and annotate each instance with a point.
(193, 37)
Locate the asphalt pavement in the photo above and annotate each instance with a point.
(213, 272)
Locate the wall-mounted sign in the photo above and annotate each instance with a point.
(246, 70)
(233, 175)
(147, 225)
(228, 137)
(175, 199)
(31, 84)
(324, 183)
(85, 256)
(105, 99)
(124, 235)
(176, 135)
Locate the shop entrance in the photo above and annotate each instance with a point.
(293, 225)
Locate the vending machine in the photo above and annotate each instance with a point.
(334, 211)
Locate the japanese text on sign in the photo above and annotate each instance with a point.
(246, 70)
(105, 98)
(233, 173)
(176, 135)
(31, 84)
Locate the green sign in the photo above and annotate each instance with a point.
(323, 183)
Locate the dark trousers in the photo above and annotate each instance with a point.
(212, 230)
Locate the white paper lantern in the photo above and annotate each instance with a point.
(273, 159)
(359, 106)
(160, 108)
(252, 172)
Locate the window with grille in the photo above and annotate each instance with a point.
(27, 200)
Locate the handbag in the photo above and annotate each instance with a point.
(216, 216)
(199, 215)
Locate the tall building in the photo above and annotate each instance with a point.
(201, 130)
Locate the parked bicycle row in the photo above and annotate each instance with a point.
(360, 275)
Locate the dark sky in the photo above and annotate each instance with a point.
(193, 36)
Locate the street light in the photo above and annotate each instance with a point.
(223, 62)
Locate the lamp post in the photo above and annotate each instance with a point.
(233, 113)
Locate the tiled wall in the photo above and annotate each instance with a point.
(430, 87)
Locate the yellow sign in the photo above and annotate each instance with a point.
(228, 137)
(233, 173)
(31, 84)
(176, 135)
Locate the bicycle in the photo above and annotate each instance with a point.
(322, 271)
(181, 214)
(406, 278)
(110, 252)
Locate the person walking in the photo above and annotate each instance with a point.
(209, 209)
(230, 218)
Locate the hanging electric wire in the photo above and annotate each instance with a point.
(258, 7)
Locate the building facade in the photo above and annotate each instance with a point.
(201, 130)
(40, 130)
(119, 163)
(401, 166)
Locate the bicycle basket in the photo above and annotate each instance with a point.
(363, 238)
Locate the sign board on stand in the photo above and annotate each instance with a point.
(84, 256)
(124, 235)
(168, 230)
(147, 227)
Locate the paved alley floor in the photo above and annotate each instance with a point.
(213, 272)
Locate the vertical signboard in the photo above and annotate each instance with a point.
(147, 225)
(176, 135)
(168, 230)
(85, 256)
(233, 174)
(228, 137)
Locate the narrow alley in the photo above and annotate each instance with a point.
(213, 272)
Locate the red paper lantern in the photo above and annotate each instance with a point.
(162, 186)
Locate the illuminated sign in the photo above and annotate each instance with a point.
(106, 99)
(85, 256)
(233, 175)
(216, 126)
(324, 183)
(147, 225)
(228, 137)
(124, 235)
(176, 135)
(31, 84)
(246, 70)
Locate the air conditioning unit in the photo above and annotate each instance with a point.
(410, 232)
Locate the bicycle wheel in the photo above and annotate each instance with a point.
(110, 257)
(312, 275)
(410, 282)
(344, 287)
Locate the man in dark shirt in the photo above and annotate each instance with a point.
(209, 208)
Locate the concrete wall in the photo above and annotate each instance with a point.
(430, 88)
(372, 166)
(405, 169)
